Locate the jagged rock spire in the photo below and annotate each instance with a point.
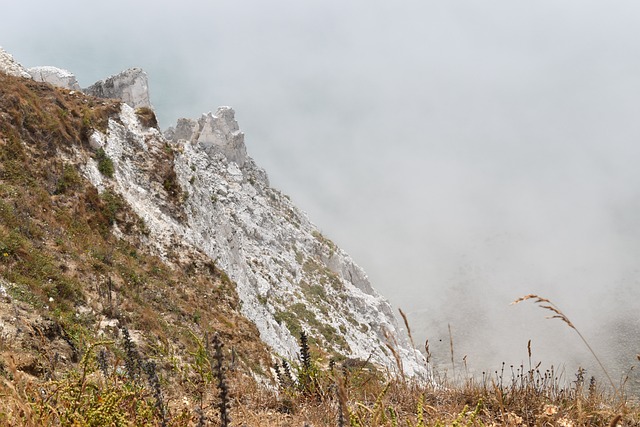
(217, 132)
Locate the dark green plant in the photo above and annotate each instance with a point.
(305, 354)
(288, 376)
(105, 164)
(223, 388)
(305, 379)
(132, 360)
(102, 359)
(279, 375)
(284, 376)
(154, 383)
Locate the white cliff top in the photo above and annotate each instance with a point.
(55, 76)
(10, 66)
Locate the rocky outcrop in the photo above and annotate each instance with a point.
(196, 188)
(131, 86)
(213, 133)
(289, 276)
(10, 66)
(55, 76)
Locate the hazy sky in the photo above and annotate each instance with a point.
(464, 153)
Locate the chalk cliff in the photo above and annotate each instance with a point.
(212, 197)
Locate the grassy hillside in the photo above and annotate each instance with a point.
(97, 330)
(67, 280)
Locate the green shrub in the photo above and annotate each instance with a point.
(105, 164)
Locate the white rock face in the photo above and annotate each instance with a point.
(289, 277)
(55, 76)
(10, 66)
(217, 133)
(131, 86)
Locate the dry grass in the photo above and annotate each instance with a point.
(546, 304)
(364, 397)
(69, 278)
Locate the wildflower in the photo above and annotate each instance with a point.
(550, 410)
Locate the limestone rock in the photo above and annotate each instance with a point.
(289, 276)
(55, 76)
(131, 86)
(10, 66)
(214, 133)
(186, 129)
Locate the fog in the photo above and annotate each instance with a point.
(464, 153)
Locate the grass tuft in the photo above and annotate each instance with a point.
(558, 314)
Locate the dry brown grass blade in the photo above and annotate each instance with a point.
(427, 351)
(538, 299)
(548, 305)
(396, 356)
(451, 348)
(406, 324)
(614, 422)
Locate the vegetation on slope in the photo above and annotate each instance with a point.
(97, 330)
(68, 282)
